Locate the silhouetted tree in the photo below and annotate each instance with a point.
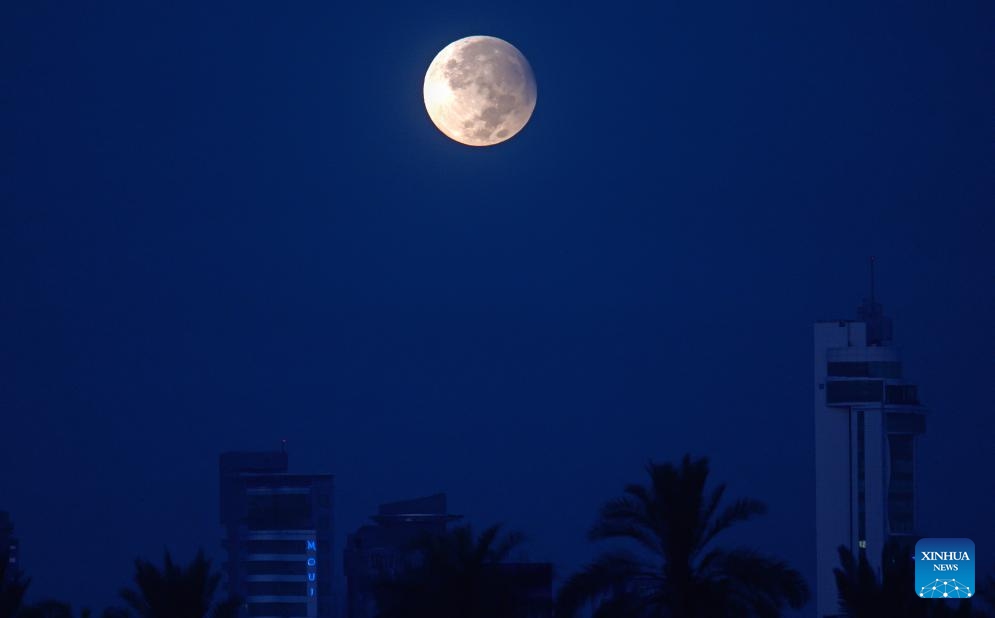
(176, 591)
(676, 569)
(986, 592)
(12, 587)
(47, 609)
(864, 595)
(453, 575)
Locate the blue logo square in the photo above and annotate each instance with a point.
(945, 568)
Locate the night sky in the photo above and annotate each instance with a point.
(225, 224)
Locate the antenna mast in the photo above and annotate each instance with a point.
(872, 282)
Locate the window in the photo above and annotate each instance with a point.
(907, 394)
(276, 547)
(864, 369)
(861, 507)
(278, 609)
(298, 589)
(860, 391)
(899, 422)
(279, 512)
(276, 567)
(901, 492)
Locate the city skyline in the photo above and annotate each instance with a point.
(871, 325)
(224, 226)
(853, 349)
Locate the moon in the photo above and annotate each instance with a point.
(480, 91)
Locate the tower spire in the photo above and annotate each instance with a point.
(878, 326)
(872, 279)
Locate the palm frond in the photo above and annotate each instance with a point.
(764, 584)
(506, 545)
(175, 590)
(454, 574)
(857, 584)
(676, 519)
(482, 548)
(611, 574)
(740, 511)
(626, 518)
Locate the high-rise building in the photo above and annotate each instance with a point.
(379, 549)
(8, 548)
(278, 536)
(867, 418)
(386, 547)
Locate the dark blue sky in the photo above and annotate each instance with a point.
(230, 223)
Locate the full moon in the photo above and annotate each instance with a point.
(480, 91)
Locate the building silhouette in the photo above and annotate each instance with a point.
(379, 549)
(278, 536)
(9, 547)
(532, 584)
(383, 548)
(867, 418)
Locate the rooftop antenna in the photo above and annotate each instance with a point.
(872, 282)
(878, 326)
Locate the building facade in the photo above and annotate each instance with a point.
(379, 549)
(867, 418)
(278, 537)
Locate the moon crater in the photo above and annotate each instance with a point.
(480, 91)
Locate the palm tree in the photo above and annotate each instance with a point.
(176, 591)
(864, 595)
(454, 575)
(677, 570)
(47, 609)
(987, 593)
(858, 586)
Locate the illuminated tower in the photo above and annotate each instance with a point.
(867, 418)
(278, 535)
